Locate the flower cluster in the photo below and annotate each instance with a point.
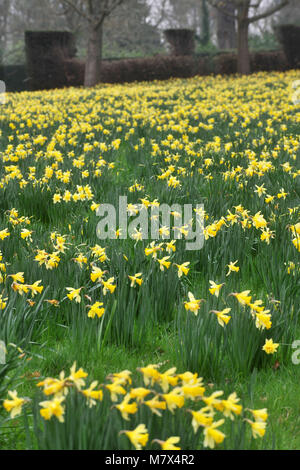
(161, 393)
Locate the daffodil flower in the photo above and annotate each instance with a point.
(232, 267)
(269, 347)
(193, 304)
(138, 437)
(215, 288)
(14, 406)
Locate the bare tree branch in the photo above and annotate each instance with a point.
(78, 10)
(162, 15)
(269, 12)
(256, 5)
(93, 17)
(107, 10)
(219, 5)
(91, 9)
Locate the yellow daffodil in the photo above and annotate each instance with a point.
(74, 294)
(215, 288)
(230, 407)
(174, 399)
(168, 444)
(222, 316)
(92, 395)
(202, 417)
(193, 304)
(258, 428)
(163, 263)
(138, 437)
(243, 297)
(108, 285)
(269, 347)
(183, 268)
(260, 415)
(232, 267)
(96, 309)
(136, 279)
(127, 408)
(212, 435)
(53, 408)
(14, 406)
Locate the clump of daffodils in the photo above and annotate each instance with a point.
(164, 393)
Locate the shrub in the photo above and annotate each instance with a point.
(226, 64)
(152, 68)
(47, 55)
(289, 37)
(181, 41)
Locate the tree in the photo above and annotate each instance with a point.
(4, 13)
(94, 12)
(128, 31)
(187, 14)
(205, 26)
(244, 19)
(226, 32)
(17, 16)
(291, 14)
(183, 15)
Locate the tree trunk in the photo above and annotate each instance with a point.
(94, 56)
(243, 66)
(205, 28)
(226, 32)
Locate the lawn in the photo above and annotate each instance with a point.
(147, 339)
